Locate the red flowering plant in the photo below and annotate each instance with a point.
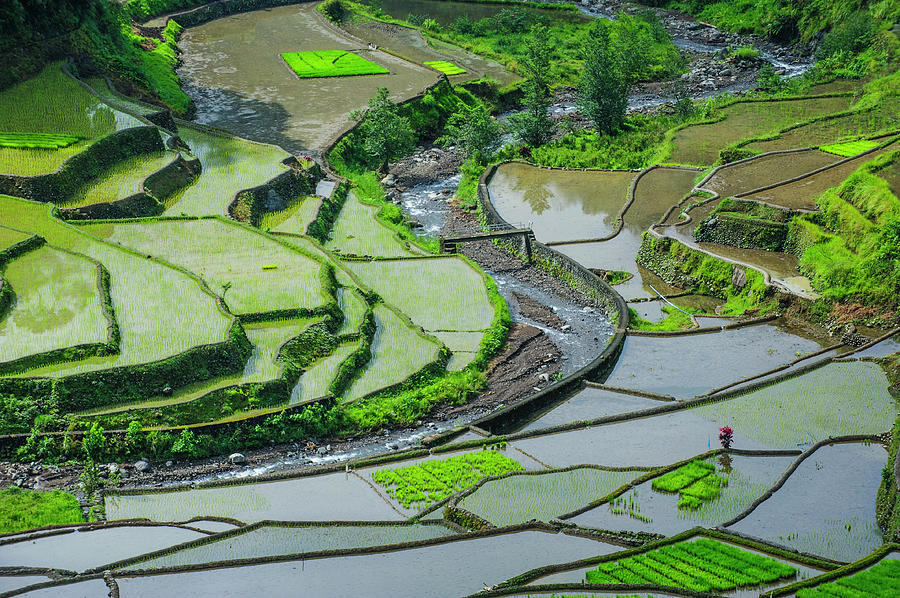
(726, 436)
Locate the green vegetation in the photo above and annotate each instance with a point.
(28, 509)
(676, 319)
(330, 63)
(703, 565)
(429, 482)
(695, 482)
(745, 53)
(445, 66)
(850, 148)
(37, 140)
(850, 250)
(333, 9)
(532, 125)
(883, 579)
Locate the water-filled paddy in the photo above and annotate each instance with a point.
(358, 231)
(881, 117)
(58, 304)
(678, 366)
(123, 179)
(20, 581)
(646, 509)
(281, 539)
(700, 144)
(234, 73)
(53, 102)
(316, 380)
(827, 506)
(295, 218)
(801, 195)
(520, 498)
(229, 165)
(398, 352)
(82, 550)
(588, 404)
(834, 400)
(337, 496)
(254, 273)
(82, 589)
(766, 170)
(448, 293)
(559, 205)
(182, 315)
(449, 569)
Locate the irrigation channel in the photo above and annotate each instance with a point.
(188, 255)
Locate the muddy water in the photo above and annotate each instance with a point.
(767, 170)
(679, 365)
(410, 44)
(233, 71)
(827, 506)
(449, 569)
(559, 205)
(655, 193)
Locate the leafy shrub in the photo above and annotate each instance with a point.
(334, 10)
(852, 35)
(745, 53)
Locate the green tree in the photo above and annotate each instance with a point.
(532, 125)
(604, 84)
(386, 135)
(474, 129)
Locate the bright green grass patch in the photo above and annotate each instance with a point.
(520, 498)
(436, 293)
(445, 66)
(180, 316)
(834, 400)
(398, 352)
(883, 579)
(703, 566)
(27, 509)
(37, 140)
(231, 259)
(432, 481)
(675, 319)
(683, 477)
(58, 304)
(330, 63)
(850, 148)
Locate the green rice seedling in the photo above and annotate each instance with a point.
(330, 63)
(398, 352)
(683, 476)
(261, 274)
(358, 231)
(50, 141)
(882, 579)
(58, 304)
(702, 565)
(27, 509)
(850, 148)
(445, 66)
(417, 486)
(448, 293)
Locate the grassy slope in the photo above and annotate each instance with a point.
(28, 509)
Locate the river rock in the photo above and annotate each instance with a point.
(142, 466)
(237, 458)
(738, 277)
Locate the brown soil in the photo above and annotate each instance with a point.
(537, 311)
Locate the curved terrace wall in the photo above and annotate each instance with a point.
(81, 168)
(583, 280)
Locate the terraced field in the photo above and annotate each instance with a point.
(716, 448)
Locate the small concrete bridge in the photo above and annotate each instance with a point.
(449, 244)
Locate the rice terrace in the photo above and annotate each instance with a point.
(450, 298)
